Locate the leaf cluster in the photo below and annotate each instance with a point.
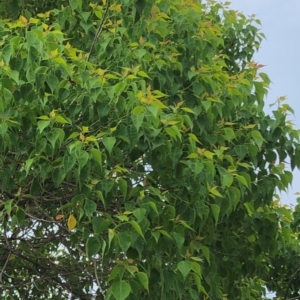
(147, 171)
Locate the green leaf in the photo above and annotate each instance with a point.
(137, 228)
(75, 3)
(100, 196)
(96, 221)
(137, 120)
(3, 129)
(215, 211)
(242, 180)
(206, 253)
(188, 110)
(184, 267)
(28, 164)
(20, 215)
(111, 235)
(52, 82)
(13, 74)
(143, 74)
(120, 290)
(143, 279)
(82, 158)
(69, 162)
(90, 207)
(42, 125)
(123, 186)
(58, 175)
(97, 155)
(92, 246)
(107, 185)
(61, 120)
(8, 206)
(109, 143)
(258, 139)
(124, 241)
(241, 150)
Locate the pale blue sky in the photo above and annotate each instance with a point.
(280, 53)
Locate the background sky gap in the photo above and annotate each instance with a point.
(280, 53)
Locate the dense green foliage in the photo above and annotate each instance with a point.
(143, 167)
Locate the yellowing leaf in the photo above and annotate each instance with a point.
(61, 120)
(91, 139)
(33, 20)
(187, 110)
(193, 137)
(12, 256)
(68, 46)
(52, 114)
(250, 126)
(101, 71)
(43, 118)
(208, 154)
(215, 192)
(71, 222)
(134, 44)
(143, 74)
(115, 7)
(192, 155)
(54, 52)
(131, 76)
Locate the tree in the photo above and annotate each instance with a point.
(136, 159)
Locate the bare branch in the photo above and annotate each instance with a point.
(99, 30)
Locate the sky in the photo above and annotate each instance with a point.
(279, 52)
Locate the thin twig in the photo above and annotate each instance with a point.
(99, 30)
(4, 267)
(97, 279)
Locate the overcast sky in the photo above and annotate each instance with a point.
(280, 53)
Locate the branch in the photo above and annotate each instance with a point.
(8, 256)
(99, 30)
(289, 284)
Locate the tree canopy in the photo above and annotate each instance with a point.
(136, 159)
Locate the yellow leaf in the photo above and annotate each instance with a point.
(71, 222)
(81, 137)
(54, 52)
(23, 20)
